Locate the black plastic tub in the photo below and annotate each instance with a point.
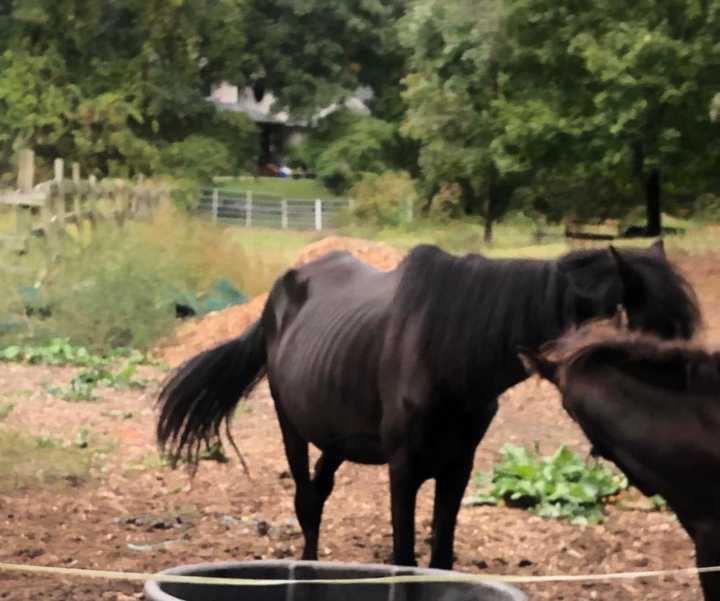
(311, 570)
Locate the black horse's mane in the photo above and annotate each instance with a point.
(475, 312)
(472, 309)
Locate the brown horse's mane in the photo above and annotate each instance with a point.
(603, 343)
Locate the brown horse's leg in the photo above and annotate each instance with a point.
(707, 549)
(404, 485)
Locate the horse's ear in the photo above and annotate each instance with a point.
(536, 363)
(632, 283)
(657, 249)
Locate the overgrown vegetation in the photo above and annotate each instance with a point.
(389, 199)
(123, 288)
(560, 486)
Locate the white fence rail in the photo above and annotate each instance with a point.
(253, 209)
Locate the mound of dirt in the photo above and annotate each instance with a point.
(197, 335)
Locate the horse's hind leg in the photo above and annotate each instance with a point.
(707, 549)
(310, 494)
(310, 506)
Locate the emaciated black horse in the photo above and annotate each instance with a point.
(405, 367)
(653, 408)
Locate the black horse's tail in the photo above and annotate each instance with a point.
(202, 394)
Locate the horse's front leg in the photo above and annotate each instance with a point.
(451, 482)
(449, 489)
(404, 485)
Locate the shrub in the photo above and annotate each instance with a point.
(361, 148)
(384, 199)
(707, 208)
(241, 137)
(196, 157)
(560, 486)
(447, 203)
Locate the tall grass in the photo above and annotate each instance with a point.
(119, 289)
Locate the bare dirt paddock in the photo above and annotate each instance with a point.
(135, 514)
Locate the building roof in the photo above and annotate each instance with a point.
(227, 97)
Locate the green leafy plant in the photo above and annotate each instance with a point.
(60, 351)
(560, 486)
(99, 368)
(56, 351)
(82, 386)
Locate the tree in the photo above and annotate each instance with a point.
(138, 72)
(458, 48)
(619, 91)
(313, 53)
(34, 97)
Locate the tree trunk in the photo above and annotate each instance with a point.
(488, 232)
(492, 202)
(652, 203)
(468, 199)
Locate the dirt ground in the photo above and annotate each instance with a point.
(135, 514)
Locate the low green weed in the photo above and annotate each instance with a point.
(60, 351)
(99, 370)
(561, 486)
(82, 386)
(6, 409)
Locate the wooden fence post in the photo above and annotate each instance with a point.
(60, 206)
(248, 208)
(118, 195)
(284, 213)
(409, 210)
(26, 170)
(92, 198)
(318, 214)
(76, 198)
(59, 170)
(215, 204)
(25, 183)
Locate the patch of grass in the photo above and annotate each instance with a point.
(282, 187)
(27, 461)
(517, 236)
(560, 486)
(6, 409)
